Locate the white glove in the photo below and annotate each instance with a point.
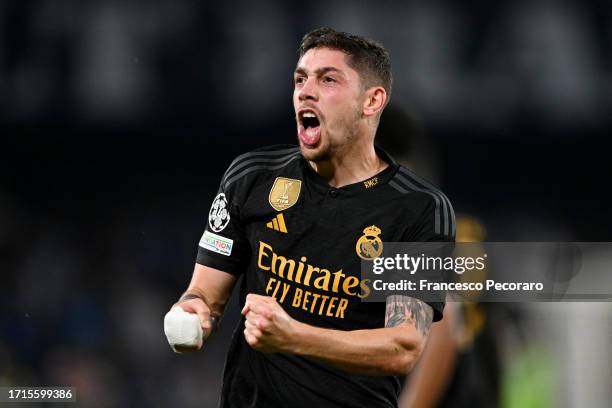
(182, 328)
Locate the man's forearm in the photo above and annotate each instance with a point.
(214, 287)
(207, 295)
(216, 311)
(385, 351)
(216, 308)
(392, 350)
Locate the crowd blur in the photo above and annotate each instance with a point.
(118, 118)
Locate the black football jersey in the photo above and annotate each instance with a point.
(291, 235)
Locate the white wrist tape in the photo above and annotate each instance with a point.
(182, 328)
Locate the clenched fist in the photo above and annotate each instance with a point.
(188, 324)
(268, 328)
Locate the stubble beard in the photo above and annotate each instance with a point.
(317, 155)
(327, 151)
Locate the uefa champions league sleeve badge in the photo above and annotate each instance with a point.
(219, 215)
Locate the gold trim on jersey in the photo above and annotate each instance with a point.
(369, 245)
(278, 223)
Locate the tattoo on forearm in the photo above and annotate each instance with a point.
(215, 317)
(405, 309)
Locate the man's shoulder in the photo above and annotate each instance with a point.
(411, 185)
(276, 149)
(265, 159)
(426, 198)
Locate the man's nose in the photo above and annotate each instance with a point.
(308, 90)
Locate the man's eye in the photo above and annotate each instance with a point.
(299, 80)
(328, 79)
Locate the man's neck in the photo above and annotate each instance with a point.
(350, 166)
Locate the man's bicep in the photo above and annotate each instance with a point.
(214, 284)
(402, 309)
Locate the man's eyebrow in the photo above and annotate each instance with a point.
(319, 71)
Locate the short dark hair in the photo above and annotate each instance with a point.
(369, 58)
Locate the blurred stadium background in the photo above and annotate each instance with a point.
(117, 119)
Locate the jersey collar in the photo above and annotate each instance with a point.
(361, 186)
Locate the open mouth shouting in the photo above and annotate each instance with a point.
(309, 127)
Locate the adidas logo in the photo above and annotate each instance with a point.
(278, 223)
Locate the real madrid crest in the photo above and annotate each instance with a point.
(369, 245)
(284, 193)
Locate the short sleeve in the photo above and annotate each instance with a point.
(223, 245)
(435, 224)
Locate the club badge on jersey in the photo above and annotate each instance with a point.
(369, 245)
(284, 193)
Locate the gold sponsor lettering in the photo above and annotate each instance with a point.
(309, 272)
(298, 274)
(320, 278)
(322, 282)
(286, 288)
(323, 301)
(287, 271)
(276, 289)
(350, 283)
(332, 303)
(279, 263)
(269, 285)
(341, 308)
(316, 297)
(365, 289)
(337, 276)
(371, 182)
(316, 303)
(306, 298)
(262, 253)
(297, 297)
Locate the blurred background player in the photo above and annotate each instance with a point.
(460, 364)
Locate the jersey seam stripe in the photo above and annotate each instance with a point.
(233, 170)
(437, 217)
(425, 183)
(398, 187)
(440, 218)
(259, 167)
(447, 206)
(451, 214)
(261, 153)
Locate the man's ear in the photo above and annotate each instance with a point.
(375, 99)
